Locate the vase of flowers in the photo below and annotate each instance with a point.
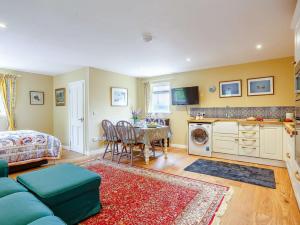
(135, 115)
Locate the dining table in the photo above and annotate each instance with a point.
(148, 135)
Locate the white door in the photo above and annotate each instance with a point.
(76, 115)
(271, 142)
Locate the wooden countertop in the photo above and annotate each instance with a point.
(289, 126)
(242, 121)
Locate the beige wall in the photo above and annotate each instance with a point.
(98, 104)
(33, 117)
(281, 69)
(60, 113)
(100, 100)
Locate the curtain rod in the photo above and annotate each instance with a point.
(12, 75)
(157, 80)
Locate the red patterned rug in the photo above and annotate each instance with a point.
(131, 195)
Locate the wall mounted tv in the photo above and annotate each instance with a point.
(185, 96)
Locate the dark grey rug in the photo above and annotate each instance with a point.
(247, 174)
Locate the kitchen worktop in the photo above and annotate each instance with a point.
(289, 126)
(244, 121)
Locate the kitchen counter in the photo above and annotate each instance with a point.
(289, 126)
(243, 121)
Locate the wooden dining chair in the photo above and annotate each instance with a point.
(158, 143)
(111, 138)
(129, 141)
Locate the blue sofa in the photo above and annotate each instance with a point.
(20, 207)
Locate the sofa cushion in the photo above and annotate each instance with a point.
(3, 168)
(21, 208)
(60, 183)
(48, 220)
(9, 186)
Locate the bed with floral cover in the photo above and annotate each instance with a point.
(25, 146)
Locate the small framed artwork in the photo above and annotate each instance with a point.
(119, 96)
(36, 97)
(60, 97)
(231, 88)
(260, 86)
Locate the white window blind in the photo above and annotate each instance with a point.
(160, 98)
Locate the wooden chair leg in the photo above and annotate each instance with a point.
(122, 151)
(131, 155)
(105, 151)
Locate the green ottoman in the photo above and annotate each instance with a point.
(71, 192)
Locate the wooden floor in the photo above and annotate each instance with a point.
(250, 204)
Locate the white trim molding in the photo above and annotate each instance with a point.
(66, 147)
(178, 146)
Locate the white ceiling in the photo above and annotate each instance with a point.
(56, 36)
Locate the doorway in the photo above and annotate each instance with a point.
(76, 110)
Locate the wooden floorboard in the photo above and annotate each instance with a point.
(250, 204)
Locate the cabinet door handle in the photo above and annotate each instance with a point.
(248, 132)
(297, 175)
(249, 140)
(248, 148)
(288, 155)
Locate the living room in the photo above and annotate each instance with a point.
(161, 112)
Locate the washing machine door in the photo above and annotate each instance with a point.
(199, 136)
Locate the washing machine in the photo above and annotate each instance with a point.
(200, 139)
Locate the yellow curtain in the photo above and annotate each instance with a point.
(8, 92)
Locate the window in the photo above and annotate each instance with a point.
(160, 98)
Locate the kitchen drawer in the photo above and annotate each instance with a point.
(249, 142)
(225, 145)
(226, 127)
(249, 127)
(249, 151)
(249, 134)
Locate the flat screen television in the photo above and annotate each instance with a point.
(185, 96)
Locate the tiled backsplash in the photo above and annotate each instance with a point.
(275, 112)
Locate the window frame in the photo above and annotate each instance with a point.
(156, 84)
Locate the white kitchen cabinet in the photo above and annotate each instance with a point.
(271, 142)
(225, 137)
(225, 144)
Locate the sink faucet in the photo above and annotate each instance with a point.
(227, 115)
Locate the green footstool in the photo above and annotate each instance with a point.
(71, 192)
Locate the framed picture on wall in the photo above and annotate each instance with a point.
(232, 88)
(260, 86)
(60, 97)
(119, 96)
(36, 97)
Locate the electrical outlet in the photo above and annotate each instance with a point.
(96, 139)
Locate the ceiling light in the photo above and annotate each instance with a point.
(258, 46)
(2, 25)
(188, 59)
(147, 37)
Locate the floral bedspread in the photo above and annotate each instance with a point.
(25, 145)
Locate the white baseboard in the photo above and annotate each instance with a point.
(269, 162)
(66, 147)
(178, 146)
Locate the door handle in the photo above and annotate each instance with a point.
(81, 119)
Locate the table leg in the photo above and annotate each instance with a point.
(165, 148)
(146, 152)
